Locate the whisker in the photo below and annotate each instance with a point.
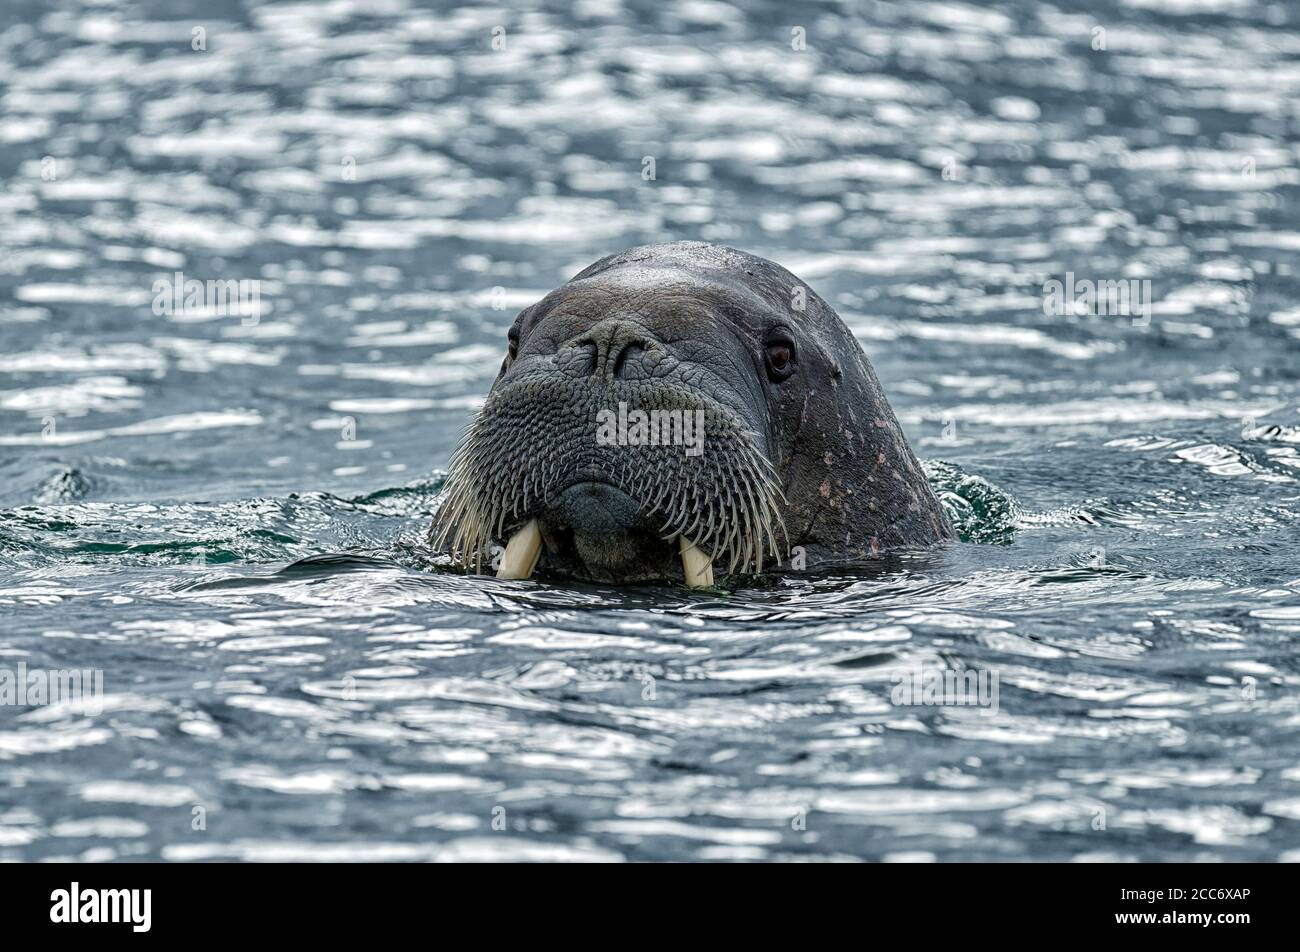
(728, 502)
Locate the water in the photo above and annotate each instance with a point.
(224, 517)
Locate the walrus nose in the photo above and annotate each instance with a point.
(613, 348)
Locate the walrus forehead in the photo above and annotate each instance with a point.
(660, 298)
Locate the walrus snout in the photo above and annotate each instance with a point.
(614, 457)
(610, 478)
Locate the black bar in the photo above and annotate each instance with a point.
(941, 903)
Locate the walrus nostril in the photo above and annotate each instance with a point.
(634, 350)
(615, 346)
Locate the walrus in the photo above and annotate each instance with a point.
(674, 406)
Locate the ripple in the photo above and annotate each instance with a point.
(502, 849)
(141, 794)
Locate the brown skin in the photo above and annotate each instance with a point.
(801, 449)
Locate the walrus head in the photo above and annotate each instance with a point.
(678, 405)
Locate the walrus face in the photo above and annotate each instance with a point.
(628, 425)
(673, 406)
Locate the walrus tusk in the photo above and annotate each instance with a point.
(522, 552)
(696, 565)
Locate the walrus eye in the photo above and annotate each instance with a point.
(780, 359)
(513, 350)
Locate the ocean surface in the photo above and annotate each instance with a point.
(222, 514)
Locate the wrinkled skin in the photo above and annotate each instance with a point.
(800, 450)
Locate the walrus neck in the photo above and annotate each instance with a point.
(871, 493)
